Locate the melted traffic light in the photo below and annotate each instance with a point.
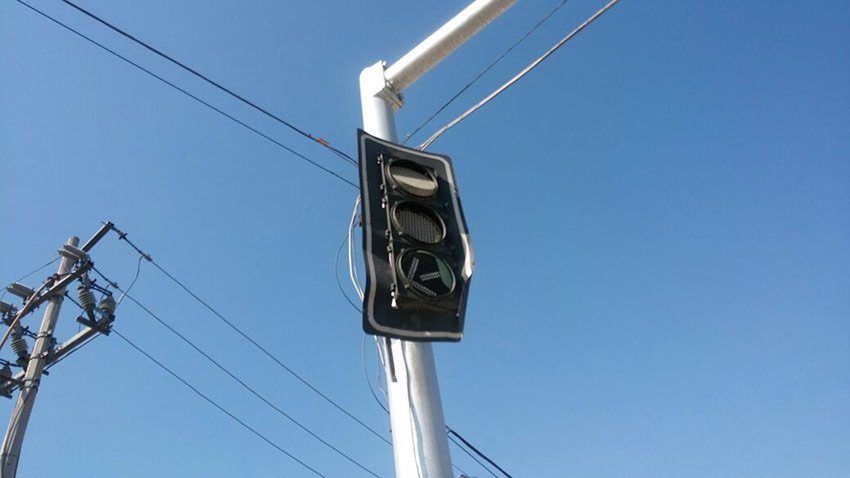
(415, 243)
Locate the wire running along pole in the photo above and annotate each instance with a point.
(339, 282)
(518, 76)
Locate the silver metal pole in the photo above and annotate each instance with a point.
(445, 40)
(420, 444)
(14, 439)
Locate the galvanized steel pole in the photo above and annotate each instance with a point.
(444, 41)
(420, 445)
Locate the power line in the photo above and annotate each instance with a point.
(216, 405)
(477, 451)
(28, 274)
(123, 236)
(461, 448)
(253, 342)
(270, 355)
(190, 95)
(173, 374)
(212, 82)
(133, 282)
(485, 70)
(125, 295)
(235, 377)
(518, 76)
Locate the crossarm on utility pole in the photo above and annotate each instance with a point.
(104, 229)
(60, 351)
(38, 298)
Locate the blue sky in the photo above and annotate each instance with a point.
(660, 212)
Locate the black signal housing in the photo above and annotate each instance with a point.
(416, 245)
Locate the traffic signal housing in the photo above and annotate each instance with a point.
(415, 243)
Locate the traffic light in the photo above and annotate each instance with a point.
(415, 243)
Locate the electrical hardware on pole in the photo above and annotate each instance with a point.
(97, 316)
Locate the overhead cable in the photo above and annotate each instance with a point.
(518, 76)
(28, 274)
(24, 277)
(236, 378)
(253, 341)
(216, 405)
(469, 454)
(485, 70)
(212, 82)
(190, 95)
(477, 451)
(133, 282)
(123, 236)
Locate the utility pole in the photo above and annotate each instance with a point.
(74, 265)
(43, 342)
(420, 444)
